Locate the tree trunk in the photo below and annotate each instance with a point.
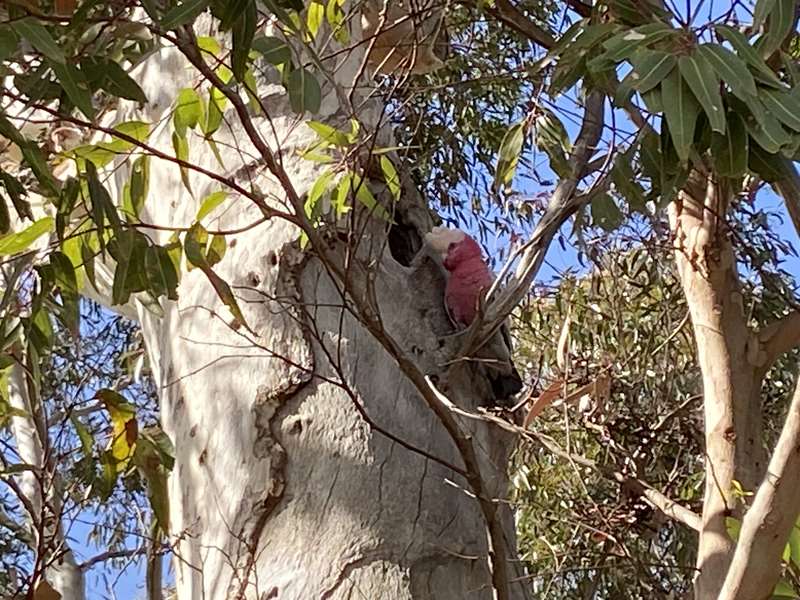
(281, 487)
(733, 428)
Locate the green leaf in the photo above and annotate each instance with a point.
(321, 186)
(75, 86)
(189, 111)
(195, 254)
(118, 83)
(508, 155)
(184, 13)
(161, 273)
(761, 10)
(273, 50)
(14, 243)
(605, 213)
(704, 83)
(31, 154)
(68, 289)
(34, 32)
(181, 147)
(329, 134)
(305, 94)
(780, 23)
(140, 183)
(733, 527)
(729, 151)
(768, 133)
(391, 177)
(84, 435)
(244, 29)
(650, 68)
(233, 9)
(364, 196)
(102, 206)
(8, 42)
(209, 203)
(783, 589)
(743, 48)
(216, 108)
(128, 247)
(768, 166)
(785, 107)
(681, 109)
(315, 17)
(730, 68)
(216, 250)
(794, 545)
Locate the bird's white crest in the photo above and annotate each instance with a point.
(440, 238)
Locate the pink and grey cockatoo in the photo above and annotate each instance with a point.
(469, 278)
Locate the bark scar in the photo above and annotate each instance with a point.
(269, 412)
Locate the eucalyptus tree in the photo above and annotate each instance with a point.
(236, 178)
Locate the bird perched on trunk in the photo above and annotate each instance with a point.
(469, 278)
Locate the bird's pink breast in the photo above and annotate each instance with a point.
(466, 283)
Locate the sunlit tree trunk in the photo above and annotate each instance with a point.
(286, 483)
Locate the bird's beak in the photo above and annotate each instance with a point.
(437, 242)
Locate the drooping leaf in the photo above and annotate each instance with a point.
(161, 274)
(139, 184)
(508, 156)
(181, 146)
(8, 42)
(118, 83)
(194, 247)
(704, 83)
(305, 95)
(244, 29)
(37, 35)
(391, 177)
(188, 112)
(779, 26)
(67, 282)
(768, 166)
(681, 109)
(730, 150)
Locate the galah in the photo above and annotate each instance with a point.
(469, 278)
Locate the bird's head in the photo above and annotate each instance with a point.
(453, 246)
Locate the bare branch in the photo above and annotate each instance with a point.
(777, 338)
(789, 188)
(766, 527)
(103, 557)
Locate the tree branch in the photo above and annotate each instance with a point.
(775, 339)
(789, 188)
(110, 555)
(508, 14)
(563, 204)
(766, 527)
